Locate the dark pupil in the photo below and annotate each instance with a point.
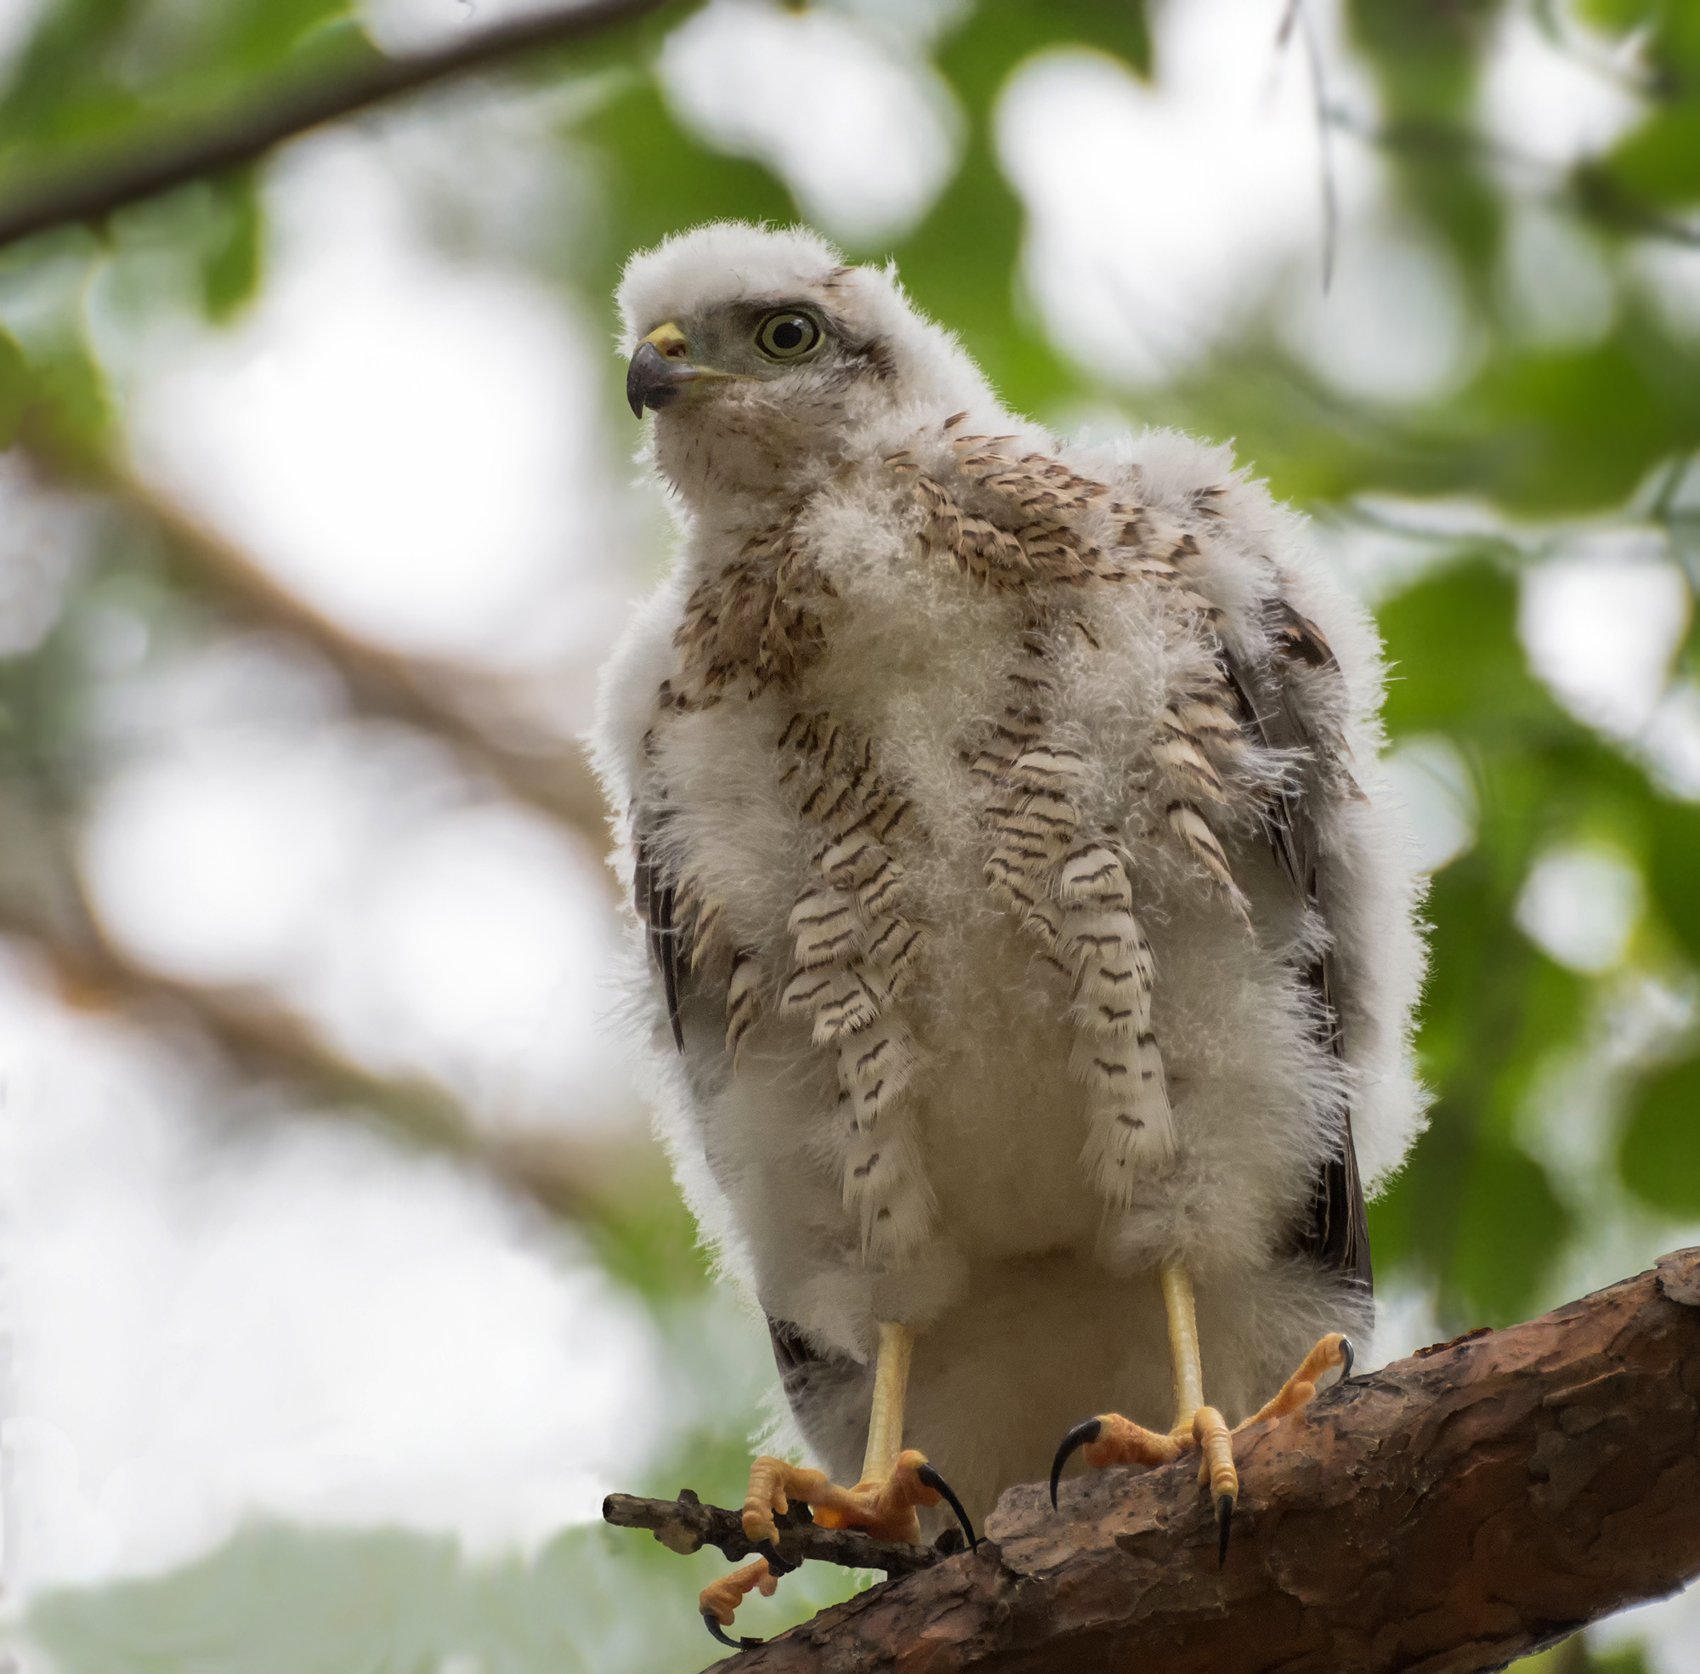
(788, 334)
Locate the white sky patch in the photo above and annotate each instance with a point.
(863, 138)
(483, 948)
(1392, 326)
(277, 1317)
(216, 861)
(1155, 208)
(17, 21)
(1432, 782)
(411, 444)
(1405, 1321)
(1671, 739)
(1601, 628)
(403, 26)
(1671, 273)
(1554, 102)
(1581, 906)
(1556, 286)
(255, 836)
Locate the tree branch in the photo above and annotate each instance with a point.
(262, 1037)
(145, 171)
(1448, 1513)
(554, 778)
(687, 1525)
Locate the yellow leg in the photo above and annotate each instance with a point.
(1205, 1425)
(1110, 1439)
(895, 1482)
(885, 1411)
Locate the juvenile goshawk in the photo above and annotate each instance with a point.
(1032, 951)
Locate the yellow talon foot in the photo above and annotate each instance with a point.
(719, 1600)
(1299, 1390)
(882, 1506)
(1110, 1439)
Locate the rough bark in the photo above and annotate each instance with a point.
(1445, 1514)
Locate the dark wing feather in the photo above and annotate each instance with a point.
(1336, 1229)
(655, 896)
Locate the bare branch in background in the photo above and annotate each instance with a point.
(143, 171)
(1450, 1512)
(264, 1038)
(437, 697)
(1588, 190)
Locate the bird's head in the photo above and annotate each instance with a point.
(767, 361)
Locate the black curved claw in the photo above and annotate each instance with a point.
(1348, 1357)
(1224, 1526)
(776, 1565)
(743, 1643)
(1088, 1430)
(929, 1478)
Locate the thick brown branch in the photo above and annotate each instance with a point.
(1445, 1514)
(145, 171)
(437, 698)
(687, 1525)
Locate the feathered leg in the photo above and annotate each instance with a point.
(1110, 1439)
(895, 1482)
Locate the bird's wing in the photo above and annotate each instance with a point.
(655, 896)
(1292, 698)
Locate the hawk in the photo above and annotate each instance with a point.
(1031, 955)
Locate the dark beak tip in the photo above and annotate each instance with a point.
(654, 381)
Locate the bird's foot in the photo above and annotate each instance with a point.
(719, 1600)
(1334, 1350)
(882, 1506)
(1110, 1439)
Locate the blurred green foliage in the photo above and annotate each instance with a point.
(1553, 441)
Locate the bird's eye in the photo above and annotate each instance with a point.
(786, 334)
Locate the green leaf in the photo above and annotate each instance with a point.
(1660, 1155)
(1458, 665)
(231, 263)
(14, 389)
(1660, 161)
(1672, 835)
(1510, 1230)
(68, 404)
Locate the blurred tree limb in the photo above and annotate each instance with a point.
(439, 698)
(258, 1034)
(1452, 1511)
(143, 171)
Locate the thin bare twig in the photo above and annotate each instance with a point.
(1297, 16)
(687, 1525)
(144, 171)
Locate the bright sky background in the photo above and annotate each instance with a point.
(211, 1318)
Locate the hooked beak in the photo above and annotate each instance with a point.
(659, 370)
